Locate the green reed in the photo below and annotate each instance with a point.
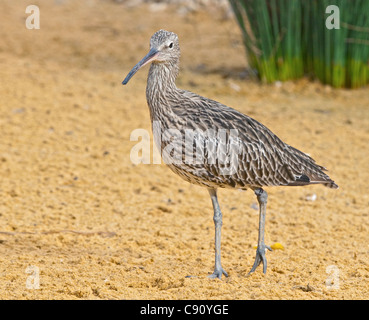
(287, 39)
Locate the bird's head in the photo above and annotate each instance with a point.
(164, 48)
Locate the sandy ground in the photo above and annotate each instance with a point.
(94, 226)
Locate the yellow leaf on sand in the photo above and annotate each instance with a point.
(277, 246)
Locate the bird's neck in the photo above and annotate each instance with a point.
(161, 87)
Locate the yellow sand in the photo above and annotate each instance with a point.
(95, 226)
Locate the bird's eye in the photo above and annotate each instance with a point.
(170, 45)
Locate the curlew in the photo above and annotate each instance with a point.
(214, 146)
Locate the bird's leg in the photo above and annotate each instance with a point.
(218, 270)
(262, 197)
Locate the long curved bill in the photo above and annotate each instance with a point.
(145, 60)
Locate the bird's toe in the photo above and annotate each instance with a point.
(218, 273)
(260, 257)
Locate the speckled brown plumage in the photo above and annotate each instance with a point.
(261, 160)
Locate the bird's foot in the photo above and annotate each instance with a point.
(260, 257)
(218, 272)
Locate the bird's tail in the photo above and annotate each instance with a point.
(313, 173)
(331, 184)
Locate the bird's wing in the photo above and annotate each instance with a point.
(249, 154)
